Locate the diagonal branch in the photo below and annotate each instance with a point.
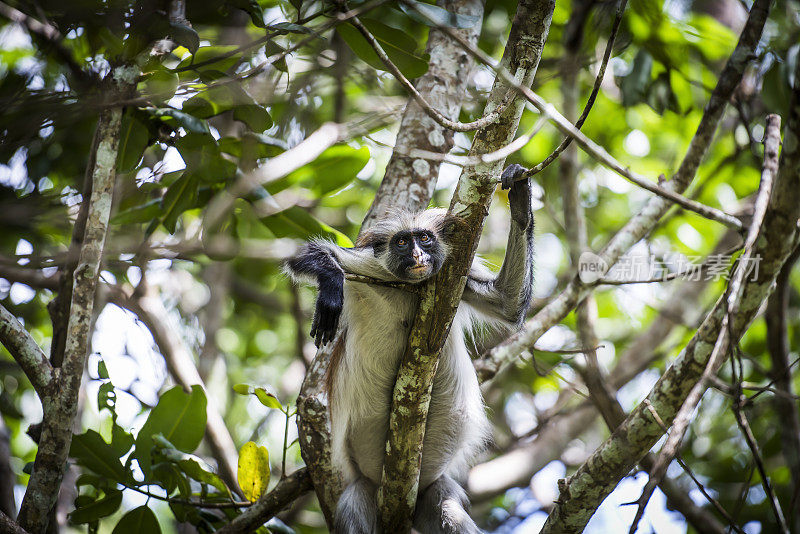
(60, 407)
(655, 208)
(722, 343)
(26, 352)
(408, 183)
(598, 476)
(440, 119)
(440, 297)
(728, 80)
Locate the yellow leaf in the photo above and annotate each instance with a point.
(253, 470)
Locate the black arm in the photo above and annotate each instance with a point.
(508, 296)
(315, 260)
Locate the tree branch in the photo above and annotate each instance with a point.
(598, 81)
(60, 407)
(690, 163)
(440, 297)
(598, 476)
(655, 208)
(26, 352)
(287, 491)
(722, 342)
(438, 117)
(10, 526)
(410, 179)
(408, 184)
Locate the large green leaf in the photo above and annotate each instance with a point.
(256, 117)
(332, 170)
(133, 137)
(399, 46)
(95, 510)
(253, 472)
(298, 223)
(141, 519)
(212, 57)
(91, 451)
(180, 417)
(181, 196)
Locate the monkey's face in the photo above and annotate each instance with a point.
(415, 255)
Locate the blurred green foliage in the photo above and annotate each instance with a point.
(210, 110)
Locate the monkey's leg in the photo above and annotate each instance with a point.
(441, 509)
(357, 511)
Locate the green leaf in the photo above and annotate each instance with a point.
(185, 35)
(181, 196)
(121, 441)
(290, 27)
(102, 370)
(133, 137)
(432, 15)
(199, 106)
(254, 116)
(399, 46)
(179, 118)
(180, 417)
(298, 223)
(141, 519)
(106, 397)
(253, 472)
(97, 509)
(192, 467)
(91, 451)
(139, 214)
(212, 57)
(268, 399)
(253, 9)
(243, 389)
(160, 84)
(272, 48)
(332, 170)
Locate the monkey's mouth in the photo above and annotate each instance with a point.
(420, 269)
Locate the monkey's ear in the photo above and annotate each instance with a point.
(450, 226)
(373, 240)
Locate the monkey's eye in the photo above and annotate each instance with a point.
(401, 243)
(425, 238)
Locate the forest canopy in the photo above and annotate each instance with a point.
(160, 160)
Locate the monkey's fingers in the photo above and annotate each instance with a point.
(512, 173)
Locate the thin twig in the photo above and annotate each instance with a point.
(474, 159)
(589, 146)
(714, 502)
(433, 113)
(189, 502)
(598, 81)
(725, 337)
